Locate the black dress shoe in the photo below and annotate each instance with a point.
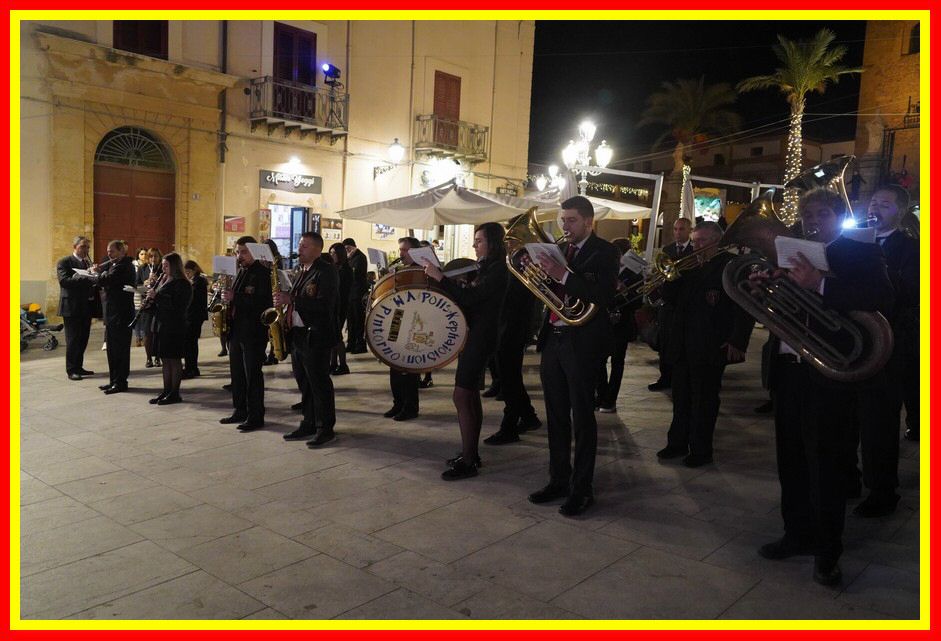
(75, 377)
(765, 408)
(105, 386)
(405, 416)
(659, 385)
(451, 461)
(876, 506)
(157, 399)
(170, 399)
(341, 370)
(425, 383)
(672, 452)
(911, 435)
(393, 412)
(116, 389)
(827, 571)
(222, 353)
(251, 425)
(785, 548)
(149, 363)
(695, 460)
(502, 437)
(576, 504)
(298, 406)
(461, 469)
(227, 387)
(86, 372)
(302, 433)
(187, 376)
(229, 420)
(323, 436)
(490, 392)
(529, 423)
(549, 493)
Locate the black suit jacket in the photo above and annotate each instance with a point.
(170, 305)
(360, 266)
(197, 310)
(252, 296)
(903, 264)
(481, 299)
(75, 293)
(315, 300)
(118, 304)
(672, 250)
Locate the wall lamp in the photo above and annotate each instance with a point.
(396, 153)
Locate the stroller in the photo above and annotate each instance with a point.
(33, 327)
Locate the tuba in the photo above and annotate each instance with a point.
(525, 229)
(850, 347)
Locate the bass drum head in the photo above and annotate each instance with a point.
(415, 330)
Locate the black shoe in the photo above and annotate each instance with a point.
(116, 389)
(222, 353)
(827, 571)
(672, 452)
(188, 374)
(357, 350)
(75, 377)
(170, 399)
(765, 408)
(549, 493)
(297, 407)
(158, 362)
(659, 385)
(340, 370)
(271, 360)
(451, 461)
(149, 363)
(693, 460)
(576, 504)
(490, 392)
(528, 424)
(607, 409)
(323, 436)
(105, 386)
(502, 437)
(227, 387)
(250, 425)
(911, 435)
(302, 433)
(395, 411)
(86, 372)
(157, 399)
(405, 416)
(785, 548)
(229, 420)
(461, 469)
(876, 506)
(423, 384)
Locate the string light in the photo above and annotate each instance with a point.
(792, 167)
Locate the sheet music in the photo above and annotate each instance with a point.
(260, 251)
(636, 264)
(224, 265)
(424, 256)
(84, 273)
(788, 248)
(460, 270)
(546, 249)
(377, 257)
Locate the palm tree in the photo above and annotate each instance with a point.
(806, 65)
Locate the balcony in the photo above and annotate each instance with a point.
(437, 136)
(294, 107)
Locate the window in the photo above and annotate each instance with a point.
(914, 39)
(718, 159)
(295, 55)
(146, 37)
(757, 151)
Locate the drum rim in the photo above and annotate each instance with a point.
(426, 370)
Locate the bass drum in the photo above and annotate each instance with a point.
(412, 325)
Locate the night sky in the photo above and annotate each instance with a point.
(604, 70)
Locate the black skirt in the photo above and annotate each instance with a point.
(170, 343)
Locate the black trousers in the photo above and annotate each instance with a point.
(665, 322)
(696, 388)
(404, 390)
(355, 323)
(609, 385)
(297, 367)
(118, 339)
(909, 373)
(516, 401)
(191, 345)
(319, 402)
(77, 329)
(246, 355)
(812, 430)
(569, 370)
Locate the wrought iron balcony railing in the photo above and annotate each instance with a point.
(281, 103)
(439, 136)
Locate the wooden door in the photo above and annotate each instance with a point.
(135, 205)
(447, 108)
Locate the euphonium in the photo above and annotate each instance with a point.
(527, 230)
(851, 347)
(273, 317)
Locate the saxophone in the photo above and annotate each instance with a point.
(273, 317)
(218, 308)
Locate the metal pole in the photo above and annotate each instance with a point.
(654, 217)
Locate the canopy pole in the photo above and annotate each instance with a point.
(654, 217)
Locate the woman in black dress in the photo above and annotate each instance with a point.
(338, 365)
(480, 301)
(169, 302)
(147, 277)
(196, 314)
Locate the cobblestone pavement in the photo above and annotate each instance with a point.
(133, 511)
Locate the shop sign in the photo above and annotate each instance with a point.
(282, 181)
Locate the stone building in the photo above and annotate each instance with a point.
(184, 135)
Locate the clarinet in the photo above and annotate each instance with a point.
(147, 302)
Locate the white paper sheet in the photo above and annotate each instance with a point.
(424, 256)
(260, 251)
(224, 265)
(546, 249)
(636, 264)
(378, 257)
(788, 248)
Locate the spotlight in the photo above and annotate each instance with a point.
(331, 74)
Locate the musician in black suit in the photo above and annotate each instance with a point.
(404, 384)
(249, 296)
(880, 406)
(624, 330)
(118, 314)
(572, 357)
(356, 313)
(814, 414)
(311, 310)
(76, 303)
(709, 331)
(680, 247)
(196, 314)
(480, 300)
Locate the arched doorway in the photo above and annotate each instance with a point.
(134, 191)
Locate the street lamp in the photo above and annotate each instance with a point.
(578, 154)
(554, 180)
(396, 153)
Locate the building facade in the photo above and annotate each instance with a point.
(184, 135)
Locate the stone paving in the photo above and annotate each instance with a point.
(132, 511)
